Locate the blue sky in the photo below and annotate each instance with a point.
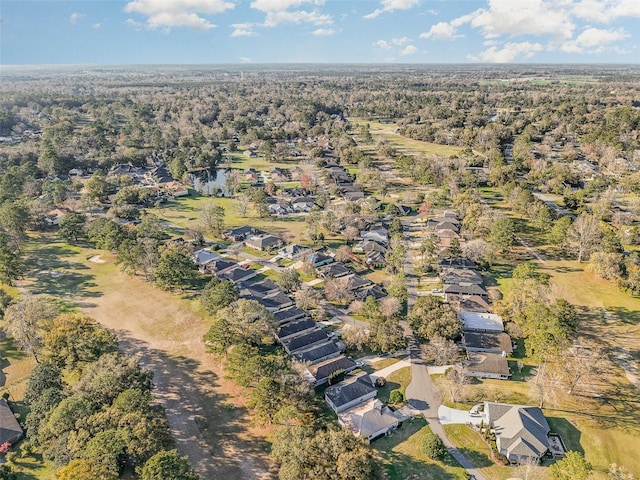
(323, 31)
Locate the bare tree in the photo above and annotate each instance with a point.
(584, 235)
(529, 469)
(351, 233)
(355, 337)
(441, 351)
(582, 362)
(27, 320)
(390, 306)
(335, 290)
(242, 204)
(546, 382)
(454, 381)
(307, 297)
(343, 253)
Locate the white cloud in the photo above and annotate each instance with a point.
(243, 30)
(605, 11)
(383, 44)
(400, 41)
(509, 52)
(390, 6)
(593, 40)
(323, 32)
(409, 50)
(97, 25)
(523, 17)
(178, 13)
(440, 31)
(245, 60)
(279, 5)
(314, 18)
(75, 16)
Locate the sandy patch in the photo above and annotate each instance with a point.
(97, 259)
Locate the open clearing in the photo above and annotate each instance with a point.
(207, 415)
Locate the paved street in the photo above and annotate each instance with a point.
(422, 393)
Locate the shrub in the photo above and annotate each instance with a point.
(433, 446)
(396, 396)
(381, 382)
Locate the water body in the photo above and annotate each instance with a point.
(210, 182)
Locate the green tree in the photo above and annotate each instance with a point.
(44, 376)
(572, 467)
(175, 270)
(558, 234)
(432, 446)
(106, 448)
(430, 318)
(289, 280)
(78, 469)
(97, 188)
(6, 473)
(168, 465)
(217, 295)
(105, 234)
(75, 339)
(14, 219)
(72, 227)
(502, 234)
(212, 218)
(11, 265)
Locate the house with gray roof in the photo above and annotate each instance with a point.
(317, 354)
(487, 365)
(350, 392)
(10, 429)
(320, 372)
(292, 329)
(489, 342)
(521, 431)
(371, 419)
(305, 341)
(289, 315)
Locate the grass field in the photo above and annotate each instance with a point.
(398, 380)
(402, 458)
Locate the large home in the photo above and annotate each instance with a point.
(521, 431)
(334, 270)
(303, 204)
(459, 276)
(487, 365)
(263, 242)
(177, 189)
(53, 217)
(490, 342)
(321, 372)
(472, 303)
(240, 233)
(204, 257)
(350, 392)
(480, 322)
(291, 329)
(318, 259)
(10, 430)
(370, 419)
(289, 315)
(464, 263)
(465, 290)
(293, 251)
(237, 274)
(220, 265)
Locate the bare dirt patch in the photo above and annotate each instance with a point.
(97, 259)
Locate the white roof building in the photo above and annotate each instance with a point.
(481, 322)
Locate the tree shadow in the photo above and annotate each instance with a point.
(205, 423)
(568, 432)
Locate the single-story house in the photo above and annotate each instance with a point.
(204, 257)
(318, 259)
(280, 174)
(240, 233)
(305, 341)
(370, 419)
(10, 429)
(302, 205)
(238, 274)
(480, 322)
(220, 265)
(292, 329)
(261, 288)
(334, 270)
(463, 263)
(459, 276)
(279, 208)
(352, 196)
(289, 315)
(275, 302)
(487, 365)
(488, 342)
(263, 242)
(370, 246)
(355, 281)
(373, 290)
(465, 290)
(376, 259)
(472, 303)
(379, 235)
(317, 354)
(293, 251)
(350, 392)
(177, 189)
(522, 432)
(322, 371)
(53, 217)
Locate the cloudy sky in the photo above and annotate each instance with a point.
(327, 31)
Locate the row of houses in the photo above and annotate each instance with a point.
(336, 175)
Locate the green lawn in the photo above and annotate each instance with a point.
(403, 459)
(476, 450)
(398, 380)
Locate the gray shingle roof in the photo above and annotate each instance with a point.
(350, 389)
